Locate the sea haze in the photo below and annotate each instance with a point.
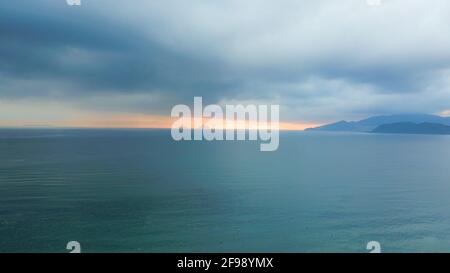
(140, 191)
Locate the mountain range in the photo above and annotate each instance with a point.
(413, 128)
(404, 123)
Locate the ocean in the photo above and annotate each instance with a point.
(140, 191)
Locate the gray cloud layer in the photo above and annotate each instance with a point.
(321, 60)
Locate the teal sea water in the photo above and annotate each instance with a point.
(139, 191)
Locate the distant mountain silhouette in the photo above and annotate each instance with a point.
(413, 128)
(369, 124)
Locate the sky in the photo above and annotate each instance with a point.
(117, 63)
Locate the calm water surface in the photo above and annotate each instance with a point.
(139, 191)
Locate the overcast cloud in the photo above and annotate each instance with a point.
(320, 60)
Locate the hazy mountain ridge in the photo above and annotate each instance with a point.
(413, 128)
(370, 124)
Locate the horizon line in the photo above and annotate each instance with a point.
(129, 128)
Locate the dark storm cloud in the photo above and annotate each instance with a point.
(88, 54)
(318, 59)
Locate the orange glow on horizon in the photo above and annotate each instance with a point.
(148, 122)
